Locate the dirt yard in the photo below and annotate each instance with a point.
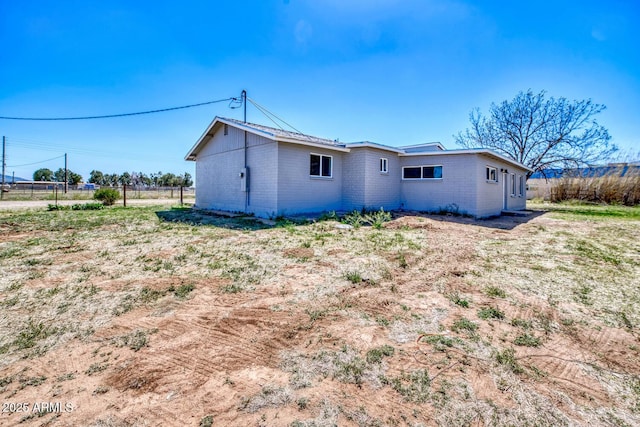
(153, 316)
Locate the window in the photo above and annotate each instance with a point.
(226, 129)
(492, 174)
(320, 165)
(522, 181)
(384, 165)
(513, 184)
(422, 172)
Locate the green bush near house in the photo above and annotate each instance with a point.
(107, 196)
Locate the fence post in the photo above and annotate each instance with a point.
(181, 201)
(124, 194)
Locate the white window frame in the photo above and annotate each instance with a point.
(490, 169)
(522, 190)
(322, 160)
(422, 178)
(384, 165)
(513, 185)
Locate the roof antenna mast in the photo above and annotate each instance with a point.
(244, 102)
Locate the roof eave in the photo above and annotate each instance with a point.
(312, 144)
(193, 153)
(472, 151)
(373, 145)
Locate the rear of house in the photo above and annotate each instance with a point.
(269, 172)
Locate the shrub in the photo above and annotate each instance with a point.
(107, 196)
(494, 291)
(375, 355)
(51, 207)
(490, 313)
(87, 207)
(464, 324)
(508, 359)
(527, 340)
(377, 218)
(354, 219)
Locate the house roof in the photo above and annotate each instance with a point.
(483, 151)
(266, 132)
(427, 149)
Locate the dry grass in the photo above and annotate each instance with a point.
(151, 316)
(606, 189)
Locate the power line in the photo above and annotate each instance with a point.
(35, 163)
(263, 109)
(107, 116)
(265, 113)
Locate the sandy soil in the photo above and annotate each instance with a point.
(294, 348)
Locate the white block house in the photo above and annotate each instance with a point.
(245, 167)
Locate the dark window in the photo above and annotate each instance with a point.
(492, 174)
(226, 129)
(411, 173)
(431, 172)
(384, 165)
(422, 172)
(326, 166)
(320, 165)
(314, 169)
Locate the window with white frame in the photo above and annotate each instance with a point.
(522, 186)
(492, 174)
(384, 165)
(321, 165)
(422, 172)
(513, 184)
(226, 129)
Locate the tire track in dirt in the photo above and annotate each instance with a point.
(566, 363)
(208, 336)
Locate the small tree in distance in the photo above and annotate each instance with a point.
(541, 133)
(43, 174)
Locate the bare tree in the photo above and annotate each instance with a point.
(541, 133)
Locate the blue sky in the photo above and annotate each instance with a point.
(396, 72)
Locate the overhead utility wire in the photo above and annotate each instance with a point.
(35, 163)
(260, 107)
(107, 116)
(266, 114)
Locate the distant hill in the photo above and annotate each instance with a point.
(8, 178)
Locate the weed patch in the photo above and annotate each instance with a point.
(413, 386)
(487, 313)
(375, 355)
(507, 358)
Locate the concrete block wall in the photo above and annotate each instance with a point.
(455, 191)
(382, 190)
(217, 172)
(490, 195)
(298, 192)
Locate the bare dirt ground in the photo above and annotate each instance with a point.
(144, 318)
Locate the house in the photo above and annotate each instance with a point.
(252, 168)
